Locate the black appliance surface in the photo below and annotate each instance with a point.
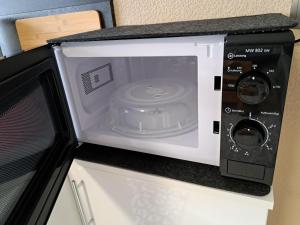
(192, 172)
(255, 78)
(234, 25)
(36, 137)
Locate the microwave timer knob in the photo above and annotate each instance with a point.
(253, 88)
(249, 134)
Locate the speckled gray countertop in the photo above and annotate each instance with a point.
(234, 25)
(187, 171)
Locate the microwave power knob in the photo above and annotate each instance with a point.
(249, 134)
(253, 88)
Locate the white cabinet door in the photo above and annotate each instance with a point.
(65, 211)
(113, 196)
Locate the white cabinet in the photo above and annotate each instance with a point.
(113, 196)
(65, 211)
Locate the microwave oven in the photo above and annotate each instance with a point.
(214, 98)
(211, 99)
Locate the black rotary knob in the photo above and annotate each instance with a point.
(249, 134)
(253, 88)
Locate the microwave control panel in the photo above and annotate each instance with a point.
(255, 78)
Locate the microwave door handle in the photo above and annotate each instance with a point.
(79, 204)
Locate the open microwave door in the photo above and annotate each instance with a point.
(37, 139)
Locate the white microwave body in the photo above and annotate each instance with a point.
(197, 59)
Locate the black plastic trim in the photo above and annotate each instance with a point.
(18, 63)
(266, 38)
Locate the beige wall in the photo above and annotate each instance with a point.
(287, 174)
(156, 11)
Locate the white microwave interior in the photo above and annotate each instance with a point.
(145, 95)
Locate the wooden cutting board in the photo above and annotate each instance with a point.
(34, 32)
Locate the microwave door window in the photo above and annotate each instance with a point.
(26, 131)
(36, 137)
